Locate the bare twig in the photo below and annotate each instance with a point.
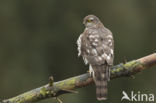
(57, 88)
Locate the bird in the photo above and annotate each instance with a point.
(96, 46)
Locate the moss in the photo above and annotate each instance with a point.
(60, 84)
(112, 71)
(119, 69)
(23, 98)
(68, 84)
(130, 64)
(43, 91)
(71, 81)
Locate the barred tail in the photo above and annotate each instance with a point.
(101, 77)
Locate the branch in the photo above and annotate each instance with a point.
(66, 86)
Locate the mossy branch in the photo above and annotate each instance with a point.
(66, 86)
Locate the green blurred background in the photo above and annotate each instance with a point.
(38, 39)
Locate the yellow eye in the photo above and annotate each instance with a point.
(88, 20)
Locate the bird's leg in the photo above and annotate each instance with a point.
(91, 71)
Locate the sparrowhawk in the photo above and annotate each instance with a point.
(96, 46)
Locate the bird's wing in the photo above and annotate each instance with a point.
(99, 46)
(79, 45)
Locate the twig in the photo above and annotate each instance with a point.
(62, 87)
(59, 100)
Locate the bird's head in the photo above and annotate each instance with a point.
(91, 21)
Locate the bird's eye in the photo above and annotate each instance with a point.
(89, 20)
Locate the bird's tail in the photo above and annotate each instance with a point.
(101, 77)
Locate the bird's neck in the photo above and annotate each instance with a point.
(95, 26)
